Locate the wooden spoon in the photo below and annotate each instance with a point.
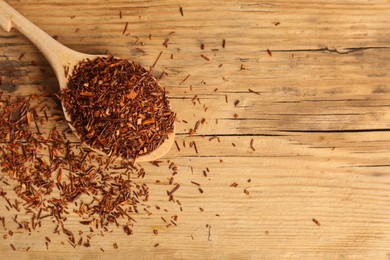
(60, 57)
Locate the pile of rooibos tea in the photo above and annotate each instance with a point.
(47, 180)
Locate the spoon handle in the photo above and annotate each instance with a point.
(57, 54)
(6, 16)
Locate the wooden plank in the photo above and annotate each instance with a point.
(307, 99)
(319, 126)
(290, 183)
(304, 24)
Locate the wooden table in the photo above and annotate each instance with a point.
(316, 184)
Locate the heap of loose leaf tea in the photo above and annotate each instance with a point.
(118, 107)
(55, 179)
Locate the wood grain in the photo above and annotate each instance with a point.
(320, 126)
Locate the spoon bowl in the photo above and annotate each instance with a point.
(63, 60)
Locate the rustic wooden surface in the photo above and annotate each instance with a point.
(321, 124)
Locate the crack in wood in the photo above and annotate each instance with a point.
(230, 135)
(338, 131)
(371, 166)
(345, 50)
